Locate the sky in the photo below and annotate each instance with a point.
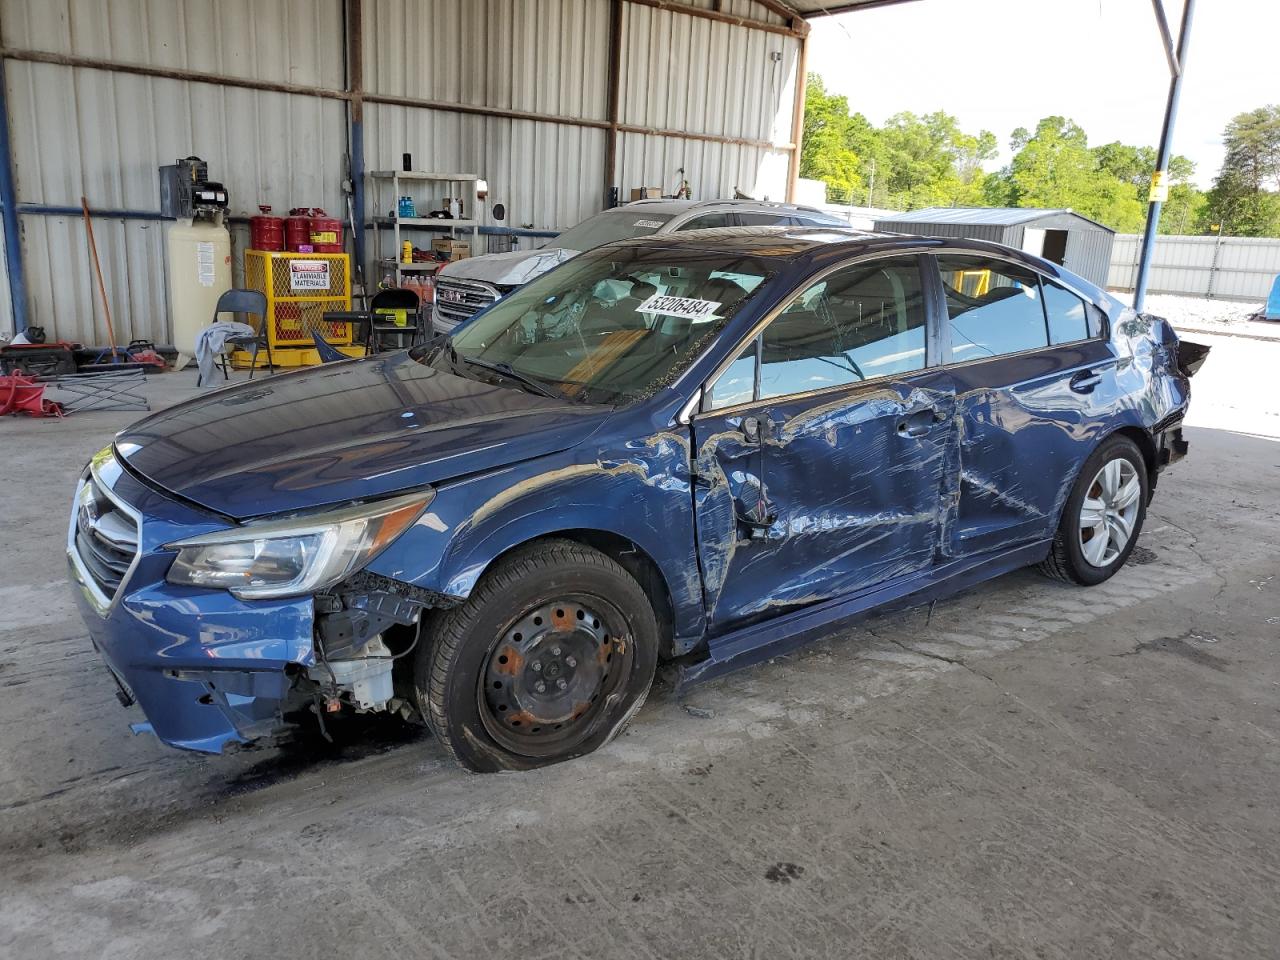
(1002, 64)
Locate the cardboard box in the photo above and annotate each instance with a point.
(452, 249)
(646, 193)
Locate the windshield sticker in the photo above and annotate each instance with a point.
(651, 224)
(689, 307)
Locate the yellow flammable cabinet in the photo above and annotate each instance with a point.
(300, 288)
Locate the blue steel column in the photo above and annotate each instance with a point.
(12, 230)
(1178, 69)
(355, 114)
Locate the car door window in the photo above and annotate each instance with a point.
(859, 323)
(707, 221)
(738, 382)
(750, 218)
(993, 307)
(1067, 319)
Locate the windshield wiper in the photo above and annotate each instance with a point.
(506, 370)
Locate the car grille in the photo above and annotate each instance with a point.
(458, 300)
(106, 538)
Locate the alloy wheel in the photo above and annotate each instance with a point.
(1109, 512)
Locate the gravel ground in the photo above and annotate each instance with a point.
(1199, 313)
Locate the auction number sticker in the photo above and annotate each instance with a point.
(651, 224)
(308, 274)
(689, 307)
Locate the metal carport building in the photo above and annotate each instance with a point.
(551, 101)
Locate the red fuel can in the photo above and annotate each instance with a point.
(326, 232)
(265, 231)
(297, 230)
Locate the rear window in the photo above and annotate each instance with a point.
(993, 308)
(610, 226)
(1066, 313)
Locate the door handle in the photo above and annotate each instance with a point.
(919, 422)
(1085, 381)
(751, 429)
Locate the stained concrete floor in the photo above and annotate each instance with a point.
(1027, 770)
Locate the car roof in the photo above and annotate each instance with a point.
(783, 243)
(792, 244)
(671, 206)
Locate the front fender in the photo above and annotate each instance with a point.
(636, 489)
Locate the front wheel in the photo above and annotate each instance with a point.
(548, 659)
(1102, 517)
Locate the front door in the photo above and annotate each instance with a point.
(824, 450)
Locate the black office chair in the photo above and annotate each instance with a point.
(383, 307)
(247, 302)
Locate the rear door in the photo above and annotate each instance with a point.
(1033, 380)
(823, 448)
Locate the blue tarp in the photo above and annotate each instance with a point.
(1273, 302)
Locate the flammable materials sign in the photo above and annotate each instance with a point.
(308, 274)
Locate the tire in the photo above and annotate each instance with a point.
(548, 659)
(1079, 554)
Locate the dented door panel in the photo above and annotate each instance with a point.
(843, 490)
(1025, 425)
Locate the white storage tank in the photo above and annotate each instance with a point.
(199, 253)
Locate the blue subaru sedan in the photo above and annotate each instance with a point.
(704, 448)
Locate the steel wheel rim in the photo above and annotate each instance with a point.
(1109, 512)
(552, 673)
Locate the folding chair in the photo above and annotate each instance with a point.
(247, 302)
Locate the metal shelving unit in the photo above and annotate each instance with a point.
(411, 183)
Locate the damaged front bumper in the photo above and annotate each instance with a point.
(206, 671)
(206, 668)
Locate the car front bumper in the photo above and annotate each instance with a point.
(206, 669)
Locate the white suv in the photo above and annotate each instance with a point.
(465, 287)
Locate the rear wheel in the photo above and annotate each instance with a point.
(1102, 517)
(548, 659)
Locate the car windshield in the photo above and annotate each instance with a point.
(610, 226)
(606, 327)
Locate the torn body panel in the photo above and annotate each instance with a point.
(839, 490)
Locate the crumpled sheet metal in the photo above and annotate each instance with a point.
(639, 490)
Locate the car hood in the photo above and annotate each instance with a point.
(508, 269)
(344, 431)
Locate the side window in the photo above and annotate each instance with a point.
(993, 306)
(1096, 320)
(754, 219)
(706, 222)
(862, 322)
(1067, 320)
(738, 383)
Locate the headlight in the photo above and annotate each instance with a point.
(281, 558)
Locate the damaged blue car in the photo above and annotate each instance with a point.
(702, 448)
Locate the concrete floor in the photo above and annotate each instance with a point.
(1030, 770)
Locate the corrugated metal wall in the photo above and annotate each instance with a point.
(102, 132)
(1235, 268)
(741, 91)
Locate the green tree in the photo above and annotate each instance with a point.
(828, 151)
(1134, 165)
(930, 161)
(1244, 199)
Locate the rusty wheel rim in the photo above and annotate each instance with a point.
(553, 674)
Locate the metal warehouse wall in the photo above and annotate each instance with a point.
(102, 92)
(1232, 268)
